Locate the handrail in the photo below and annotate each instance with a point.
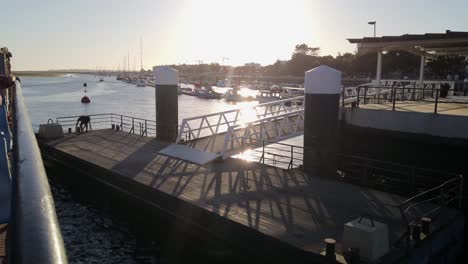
(219, 122)
(411, 202)
(35, 234)
(131, 124)
(438, 196)
(289, 156)
(396, 91)
(448, 186)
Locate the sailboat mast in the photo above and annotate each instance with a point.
(141, 54)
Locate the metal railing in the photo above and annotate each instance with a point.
(34, 233)
(449, 193)
(417, 183)
(379, 94)
(389, 176)
(216, 123)
(270, 129)
(135, 125)
(274, 153)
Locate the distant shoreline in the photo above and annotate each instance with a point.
(37, 74)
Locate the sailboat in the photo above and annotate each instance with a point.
(140, 82)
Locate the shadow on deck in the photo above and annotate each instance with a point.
(276, 205)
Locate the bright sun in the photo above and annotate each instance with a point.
(241, 30)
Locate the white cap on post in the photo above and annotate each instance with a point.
(166, 75)
(323, 80)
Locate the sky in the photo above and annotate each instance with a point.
(99, 34)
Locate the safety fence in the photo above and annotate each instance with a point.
(135, 125)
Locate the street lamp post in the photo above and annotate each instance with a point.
(374, 23)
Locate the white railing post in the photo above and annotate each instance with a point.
(181, 131)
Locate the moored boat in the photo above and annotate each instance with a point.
(140, 83)
(265, 96)
(233, 95)
(209, 94)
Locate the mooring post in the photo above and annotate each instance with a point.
(321, 110)
(166, 100)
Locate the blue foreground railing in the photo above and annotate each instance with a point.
(33, 231)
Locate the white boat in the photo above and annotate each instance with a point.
(289, 92)
(265, 96)
(233, 95)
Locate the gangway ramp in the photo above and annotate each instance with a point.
(224, 133)
(189, 154)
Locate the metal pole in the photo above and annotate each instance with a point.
(357, 100)
(343, 97)
(394, 96)
(263, 152)
(403, 93)
(292, 157)
(421, 70)
(365, 95)
(379, 73)
(436, 101)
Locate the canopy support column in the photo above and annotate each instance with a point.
(379, 73)
(421, 71)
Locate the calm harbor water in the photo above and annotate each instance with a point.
(50, 97)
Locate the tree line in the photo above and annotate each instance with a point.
(395, 64)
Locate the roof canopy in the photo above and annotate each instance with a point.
(430, 44)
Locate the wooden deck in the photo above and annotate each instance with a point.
(287, 206)
(444, 107)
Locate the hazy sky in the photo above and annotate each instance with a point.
(58, 34)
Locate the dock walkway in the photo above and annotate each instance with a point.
(272, 204)
(445, 106)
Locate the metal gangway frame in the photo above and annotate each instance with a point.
(221, 122)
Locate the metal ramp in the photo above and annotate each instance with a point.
(205, 138)
(189, 154)
(227, 133)
(270, 129)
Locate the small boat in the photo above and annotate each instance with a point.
(265, 96)
(209, 94)
(101, 79)
(140, 83)
(289, 92)
(85, 84)
(189, 91)
(233, 96)
(85, 100)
